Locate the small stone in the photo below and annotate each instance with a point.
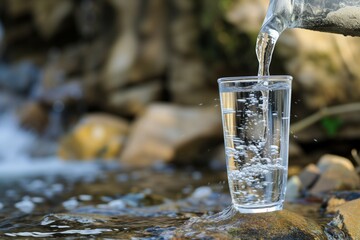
(70, 204)
(37, 199)
(328, 160)
(347, 219)
(293, 188)
(201, 192)
(85, 198)
(25, 206)
(95, 136)
(117, 204)
(309, 175)
(1, 206)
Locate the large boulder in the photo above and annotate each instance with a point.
(95, 136)
(346, 219)
(172, 133)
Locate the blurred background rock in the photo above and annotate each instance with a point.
(136, 80)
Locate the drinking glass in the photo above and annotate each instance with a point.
(256, 117)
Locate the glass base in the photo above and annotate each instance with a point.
(258, 209)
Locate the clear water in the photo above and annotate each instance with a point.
(256, 123)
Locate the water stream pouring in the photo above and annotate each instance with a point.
(333, 16)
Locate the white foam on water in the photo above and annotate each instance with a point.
(15, 160)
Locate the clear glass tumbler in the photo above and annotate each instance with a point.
(256, 117)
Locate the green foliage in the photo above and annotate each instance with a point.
(331, 125)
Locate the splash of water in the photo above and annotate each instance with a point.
(16, 161)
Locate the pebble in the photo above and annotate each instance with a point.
(117, 204)
(85, 198)
(202, 192)
(70, 204)
(25, 206)
(1, 206)
(37, 199)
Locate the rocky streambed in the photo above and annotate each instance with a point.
(161, 202)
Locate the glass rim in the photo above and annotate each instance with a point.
(271, 78)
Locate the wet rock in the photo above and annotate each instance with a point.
(68, 219)
(230, 224)
(347, 219)
(95, 136)
(134, 100)
(171, 133)
(33, 116)
(50, 15)
(309, 175)
(335, 199)
(337, 173)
